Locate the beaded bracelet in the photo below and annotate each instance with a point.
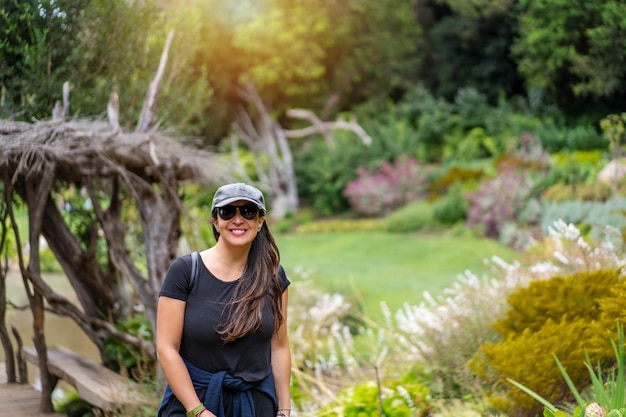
(194, 413)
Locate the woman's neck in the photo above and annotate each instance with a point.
(232, 258)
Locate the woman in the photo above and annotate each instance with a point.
(222, 342)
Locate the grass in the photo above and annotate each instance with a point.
(374, 266)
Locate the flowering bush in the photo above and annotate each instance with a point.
(498, 201)
(503, 198)
(392, 186)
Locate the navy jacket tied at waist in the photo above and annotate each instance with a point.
(243, 402)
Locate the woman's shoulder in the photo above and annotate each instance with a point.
(282, 277)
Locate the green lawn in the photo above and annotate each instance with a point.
(379, 266)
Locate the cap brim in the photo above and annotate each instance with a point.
(233, 199)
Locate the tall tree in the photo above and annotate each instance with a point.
(97, 46)
(321, 55)
(466, 44)
(38, 41)
(573, 49)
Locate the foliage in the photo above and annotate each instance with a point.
(197, 230)
(498, 201)
(323, 172)
(613, 129)
(573, 176)
(452, 208)
(560, 315)
(592, 215)
(415, 216)
(569, 51)
(588, 191)
(403, 398)
(474, 407)
(393, 185)
(322, 344)
(450, 177)
(122, 357)
(610, 394)
(444, 332)
(467, 46)
(339, 45)
(475, 136)
(571, 297)
(48, 262)
(34, 65)
(393, 130)
(502, 199)
(71, 405)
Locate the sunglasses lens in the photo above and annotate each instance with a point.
(248, 212)
(227, 212)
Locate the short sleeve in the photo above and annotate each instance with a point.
(177, 279)
(282, 278)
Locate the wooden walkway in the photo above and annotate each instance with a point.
(19, 400)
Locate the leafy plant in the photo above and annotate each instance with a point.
(393, 398)
(452, 208)
(121, 356)
(413, 217)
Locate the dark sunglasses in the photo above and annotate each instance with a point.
(247, 211)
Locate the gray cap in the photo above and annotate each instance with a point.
(230, 193)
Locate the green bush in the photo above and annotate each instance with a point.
(562, 315)
(71, 405)
(452, 208)
(403, 398)
(415, 216)
(588, 191)
(454, 175)
(48, 262)
(125, 358)
(322, 173)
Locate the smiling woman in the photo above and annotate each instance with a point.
(222, 342)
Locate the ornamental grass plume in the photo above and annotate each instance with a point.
(323, 353)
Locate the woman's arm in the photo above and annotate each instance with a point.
(170, 317)
(281, 362)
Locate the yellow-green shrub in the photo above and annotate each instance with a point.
(562, 316)
(341, 225)
(559, 298)
(454, 175)
(587, 191)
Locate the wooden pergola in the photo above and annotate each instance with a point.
(113, 169)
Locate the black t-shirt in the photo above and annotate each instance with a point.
(249, 357)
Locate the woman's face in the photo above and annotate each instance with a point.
(238, 223)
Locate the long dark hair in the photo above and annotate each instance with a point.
(258, 283)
